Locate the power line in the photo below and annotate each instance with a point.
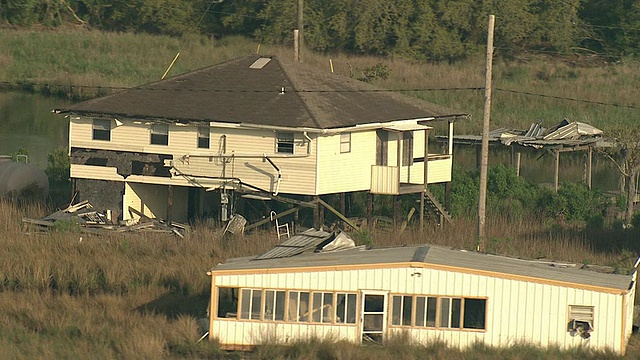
(568, 98)
(278, 89)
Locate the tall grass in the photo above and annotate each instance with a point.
(91, 59)
(68, 294)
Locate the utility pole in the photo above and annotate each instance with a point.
(300, 28)
(484, 162)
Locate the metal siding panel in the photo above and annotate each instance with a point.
(538, 319)
(384, 179)
(553, 328)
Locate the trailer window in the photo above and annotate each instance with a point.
(426, 311)
(441, 312)
(274, 305)
(402, 310)
(298, 306)
(322, 307)
(346, 308)
(251, 302)
(474, 313)
(227, 302)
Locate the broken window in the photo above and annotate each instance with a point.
(160, 134)
(251, 302)
(345, 143)
(101, 129)
(203, 137)
(580, 316)
(407, 148)
(227, 302)
(346, 308)
(322, 307)
(298, 306)
(284, 142)
(274, 305)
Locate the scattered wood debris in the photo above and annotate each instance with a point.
(88, 220)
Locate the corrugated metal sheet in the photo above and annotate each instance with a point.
(297, 244)
(562, 134)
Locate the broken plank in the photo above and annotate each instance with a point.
(338, 214)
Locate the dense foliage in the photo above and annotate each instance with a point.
(516, 199)
(430, 29)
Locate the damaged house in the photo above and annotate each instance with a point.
(316, 286)
(197, 144)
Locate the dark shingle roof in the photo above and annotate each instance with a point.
(233, 92)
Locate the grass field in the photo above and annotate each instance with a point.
(85, 63)
(140, 296)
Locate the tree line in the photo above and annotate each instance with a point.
(414, 29)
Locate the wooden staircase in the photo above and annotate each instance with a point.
(433, 207)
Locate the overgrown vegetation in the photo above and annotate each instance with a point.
(425, 30)
(67, 294)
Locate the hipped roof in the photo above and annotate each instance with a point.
(265, 91)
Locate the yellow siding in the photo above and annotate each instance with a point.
(439, 170)
(152, 200)
(95, 172)
(344, 172)
(298, 171)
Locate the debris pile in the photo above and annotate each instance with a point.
(83, 217)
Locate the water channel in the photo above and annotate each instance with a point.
(27, 121)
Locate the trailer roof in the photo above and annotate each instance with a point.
(430, 256)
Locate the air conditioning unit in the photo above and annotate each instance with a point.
(580, 327)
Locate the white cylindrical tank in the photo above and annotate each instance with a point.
(22, 181)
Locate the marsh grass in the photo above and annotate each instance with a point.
(67, 294)
(83, 64)
(140, 296)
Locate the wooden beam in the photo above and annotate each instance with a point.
(338, 214)
(589, 166)
(267, 220)
(557, 170)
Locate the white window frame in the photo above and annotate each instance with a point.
(159, 134)
(582, 313)
(285, 142)
(204, 136)
(101, 126)
(251, 304)
(272, 302)
(345, 143)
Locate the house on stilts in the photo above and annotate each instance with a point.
(201, 143)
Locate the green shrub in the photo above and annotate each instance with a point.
(573, 201)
